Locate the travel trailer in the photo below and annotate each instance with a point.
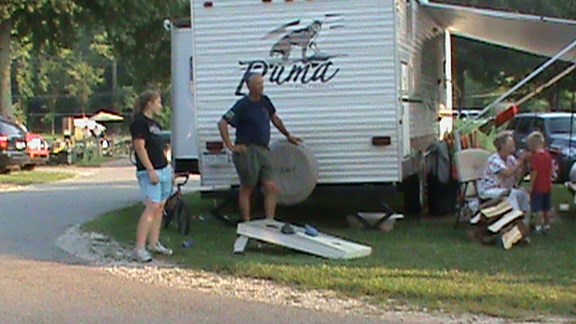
(349, 78)
(361, 82)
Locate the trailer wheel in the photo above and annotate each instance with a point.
(414, 190)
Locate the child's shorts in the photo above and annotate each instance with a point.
(541, 202)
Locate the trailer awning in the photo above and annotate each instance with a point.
(529, 33)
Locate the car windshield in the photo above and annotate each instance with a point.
(9, 129)
(561, 125)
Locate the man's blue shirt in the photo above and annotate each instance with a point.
(251, 120)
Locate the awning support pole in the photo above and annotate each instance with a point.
(528, 78)
(546, 85)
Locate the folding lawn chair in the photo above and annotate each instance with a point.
(470, 165)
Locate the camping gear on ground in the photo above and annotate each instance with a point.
(442, 188)
(498, 223)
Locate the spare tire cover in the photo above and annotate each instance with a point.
(295, 171)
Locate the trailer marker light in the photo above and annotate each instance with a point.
(215, 147)
(381, 140)
(208, 4)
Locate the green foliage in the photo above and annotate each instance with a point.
(25, 178)
(498, 68)
(69, 72)
(47, 24)
(485, 140)
(135, 31)
(165, 117)
(84, 78)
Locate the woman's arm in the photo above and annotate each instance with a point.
(140, 149)
(515, 170)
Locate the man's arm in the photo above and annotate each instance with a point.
(515, 170)
(223, 127)
(280, 126)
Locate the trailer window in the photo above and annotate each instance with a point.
(405, 78)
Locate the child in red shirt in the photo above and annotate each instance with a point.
(541, 181)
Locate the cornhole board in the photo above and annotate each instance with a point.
(323, 245)
(505, 220)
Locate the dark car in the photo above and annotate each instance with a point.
(13, 152)
(559, 130)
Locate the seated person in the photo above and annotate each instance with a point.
(503, 174)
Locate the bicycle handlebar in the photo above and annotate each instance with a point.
(186, 176)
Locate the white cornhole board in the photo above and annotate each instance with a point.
(323, 245)
(505, 220)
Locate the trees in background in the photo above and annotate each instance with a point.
(487, 69)
(55, 54)
(40, 25)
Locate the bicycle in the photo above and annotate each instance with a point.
(177, 209)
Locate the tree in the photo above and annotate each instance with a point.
(47, 23)
(135, 31)
(84, 78)
(23, 73)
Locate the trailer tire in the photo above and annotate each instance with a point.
(413, 189)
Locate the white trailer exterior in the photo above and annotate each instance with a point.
(374, 70)
(184, 135)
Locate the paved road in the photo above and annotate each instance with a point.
(41, 283)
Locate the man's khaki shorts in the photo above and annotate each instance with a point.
(254, 166)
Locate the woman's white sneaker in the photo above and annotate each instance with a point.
(141, 255)
(160, 249)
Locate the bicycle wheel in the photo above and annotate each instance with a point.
(182, 217)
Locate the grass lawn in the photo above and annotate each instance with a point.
(23, 178)
(96, 161)
(422, 263)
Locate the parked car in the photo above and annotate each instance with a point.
(559, 130)
(38, 149)
(12, 146)
(465, 113)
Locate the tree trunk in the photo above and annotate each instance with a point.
(5, 62)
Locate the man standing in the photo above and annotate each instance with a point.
(251, 117)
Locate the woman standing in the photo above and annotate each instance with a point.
(153, 172)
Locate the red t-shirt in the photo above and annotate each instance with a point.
(542, 164)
